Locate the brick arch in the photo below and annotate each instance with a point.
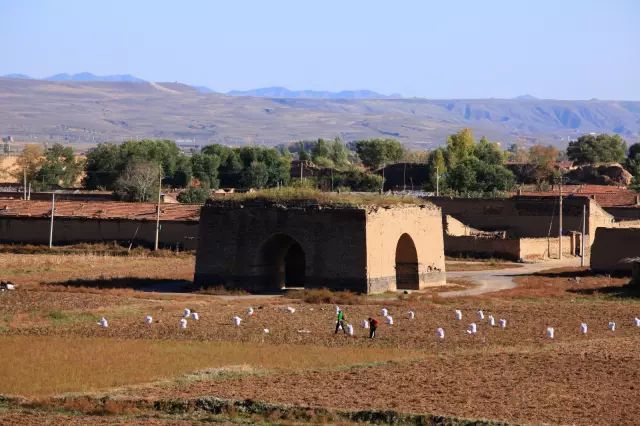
(407, 264)
(283, 262)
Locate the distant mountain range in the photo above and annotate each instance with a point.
(81, 110)
(266, 92)
(282, 92)
(82, 76)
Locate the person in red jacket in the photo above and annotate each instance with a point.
(373, 325)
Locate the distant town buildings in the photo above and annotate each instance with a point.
(6, 144)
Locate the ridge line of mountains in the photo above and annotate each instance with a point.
(263, 92)
(84, 109)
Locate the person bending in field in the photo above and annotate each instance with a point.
(340, 322)
(373, 325)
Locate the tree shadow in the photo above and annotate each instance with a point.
(627, 291)
(161, 285)
(580, 273)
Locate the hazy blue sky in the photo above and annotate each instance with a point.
(569, 49)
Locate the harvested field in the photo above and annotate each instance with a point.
(37, 366)
(570, 282)
(514, 374)
(37, 271)
(569, 383)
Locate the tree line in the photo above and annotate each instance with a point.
(133, 169)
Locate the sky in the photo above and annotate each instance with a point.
(560, 49)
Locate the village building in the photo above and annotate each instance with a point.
(521, 227)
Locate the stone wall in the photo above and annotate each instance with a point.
(612, 247)
(71, 230)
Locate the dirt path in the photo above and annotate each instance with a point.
(502, 279)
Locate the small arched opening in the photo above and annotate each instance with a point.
(407, 277)
(283, 262)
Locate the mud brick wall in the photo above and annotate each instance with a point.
(236, 243)
(385, 227)
(267, 247)
(472, 246)
(612, 246)
(545, 248)
(529, 217)
(81, 230)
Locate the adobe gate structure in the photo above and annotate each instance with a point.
(265, 246)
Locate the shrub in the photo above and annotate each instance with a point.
(194, 195)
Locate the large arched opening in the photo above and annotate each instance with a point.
(407, 277)
(284, 262)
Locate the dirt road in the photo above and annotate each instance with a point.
(502, 279)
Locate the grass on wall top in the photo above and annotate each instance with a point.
(313, 197)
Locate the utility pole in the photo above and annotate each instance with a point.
(584, 227)
(560, 222)
(29, 193)
(437, 182)
(404, 177)
(53, 212)
(24, 184)
(331, 180)
(155, 247)
(301, 175)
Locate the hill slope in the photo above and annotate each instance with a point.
(90, 112)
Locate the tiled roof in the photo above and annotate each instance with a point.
(99, 210)
(605, 195)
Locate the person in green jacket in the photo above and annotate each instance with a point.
(340, 322)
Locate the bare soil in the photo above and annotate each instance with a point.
(514, 374)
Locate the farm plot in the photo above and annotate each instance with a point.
(514, 373)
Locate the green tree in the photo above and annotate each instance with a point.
(320, 152)
(460, 146)
(471, 167)
(603, 148)
(205, 168)
(357, 180)
(488, 152)
(374, 153)
(632, 164)
(493, 177)
(338, 153)
(60, 167)
(230, 164)
(462, 177)
(103, 166)
(183, 173)
(107, 162)
(194, 195)
(255, 176)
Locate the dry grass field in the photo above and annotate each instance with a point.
(50, 345)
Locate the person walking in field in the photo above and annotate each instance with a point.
(340, 322)
(373, 325)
